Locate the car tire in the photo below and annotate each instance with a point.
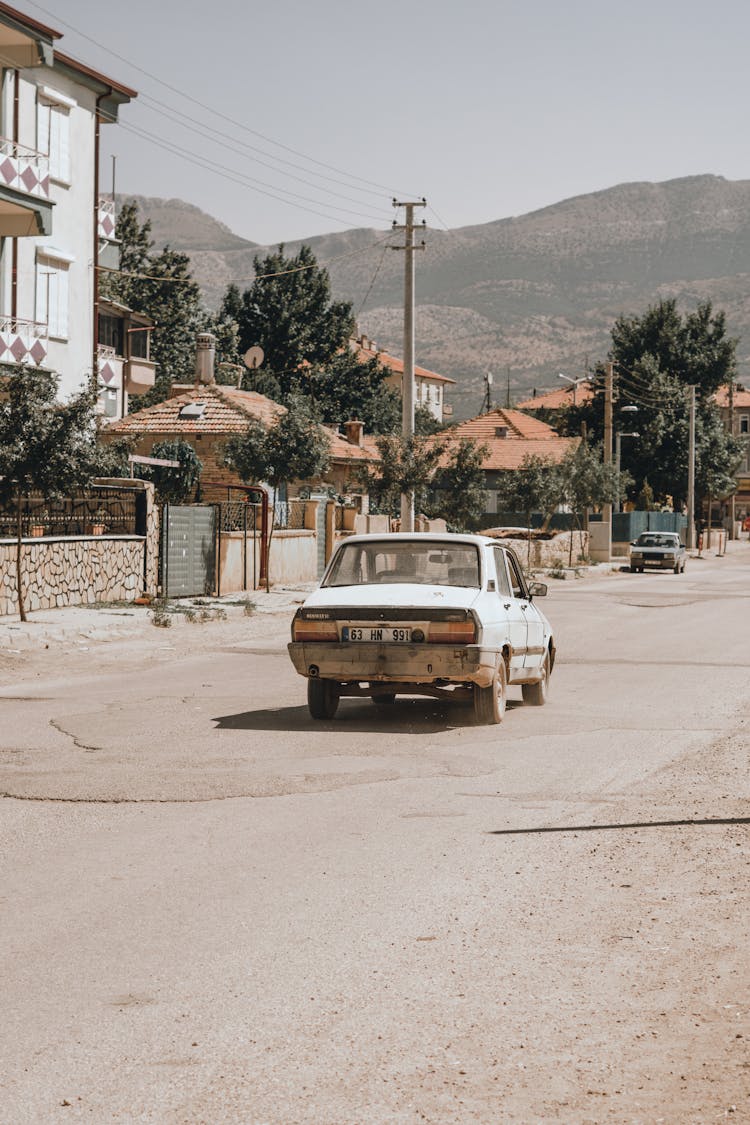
(489, 702)
(322, 698)
(536, 694)
(633, 568)
(384, 698)
(677, 568)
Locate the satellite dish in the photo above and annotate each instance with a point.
(253, 357)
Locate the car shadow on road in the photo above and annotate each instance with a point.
(405, 716)
(692, 823)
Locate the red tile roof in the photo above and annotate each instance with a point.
(226, 411)
(369, 350)
(741, 398)
(525, 436)
(557, 398)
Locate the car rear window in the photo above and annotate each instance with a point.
(386, 562)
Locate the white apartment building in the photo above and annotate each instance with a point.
(55, 230)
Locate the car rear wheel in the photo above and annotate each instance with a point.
(489, 702)
(322, 698)
(536, 694)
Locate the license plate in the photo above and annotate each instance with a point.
(375, 633)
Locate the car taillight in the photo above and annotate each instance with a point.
(310, 629)
(453, 632)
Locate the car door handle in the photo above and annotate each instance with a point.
(506, 605)
(525, 606)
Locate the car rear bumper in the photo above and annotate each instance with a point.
(394, 663)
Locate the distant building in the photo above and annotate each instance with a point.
(509, 436)
(734, 408)
(207, 415)
(55, 230)
(429, 387)
(560, 398)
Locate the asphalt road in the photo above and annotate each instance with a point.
(213, 909)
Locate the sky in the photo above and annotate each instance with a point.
(289, 119)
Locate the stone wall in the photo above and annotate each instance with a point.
(58, 571)
(550, 552)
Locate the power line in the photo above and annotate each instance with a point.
(254, 277)
(216, 113)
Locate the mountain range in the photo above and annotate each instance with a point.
(524, 297)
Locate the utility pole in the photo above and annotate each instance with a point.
(691, 474)
(732, 513)
(607, 454)
(407, 386)
(487, 392)
(507, 387)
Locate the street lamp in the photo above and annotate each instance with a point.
(618, 450)
(575, 382)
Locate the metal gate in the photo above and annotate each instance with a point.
(320, 529)
(188, 550)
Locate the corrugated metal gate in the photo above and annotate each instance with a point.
(188, 550)
(320, 528)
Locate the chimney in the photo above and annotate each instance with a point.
(354, 431)
(501, 431)
(205, 352)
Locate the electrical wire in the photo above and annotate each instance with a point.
(254, 277)
(233, 176)
(378, 268)
(216, 113)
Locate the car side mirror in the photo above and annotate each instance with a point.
(538, 590)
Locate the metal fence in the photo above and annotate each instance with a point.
(102, 511)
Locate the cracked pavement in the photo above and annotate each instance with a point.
(213, 909)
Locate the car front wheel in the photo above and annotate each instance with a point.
(536, 694)
(489, 702)
(322, 698)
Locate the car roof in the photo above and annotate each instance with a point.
(420, 537)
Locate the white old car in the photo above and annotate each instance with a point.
(448, 616)
(662, 549)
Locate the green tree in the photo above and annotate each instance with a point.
(345, 388)
(173, 486)
(587, 482)
(45, 446)
(535, 486)
(406, 465)
(691, 349)
(457, 488)
(425, 422)
(163, 288)
(288, 311)
(295, 448)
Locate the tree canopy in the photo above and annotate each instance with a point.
(288, 311)
(656, 357)
(164, 290)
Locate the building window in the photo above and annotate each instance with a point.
(745, 423)
(110, 333)
(52, 296)
(53, 133)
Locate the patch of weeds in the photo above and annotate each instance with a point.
(249, 607)
(160, 616)
(557, 570)
(190, 615)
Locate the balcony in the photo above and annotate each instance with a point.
(109, 245)
(25, 207)
(22, 341)
(139, 376)
(110, 367)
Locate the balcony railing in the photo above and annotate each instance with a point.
(110, 366)
(107, 218)
(24, 169)
(22, 341)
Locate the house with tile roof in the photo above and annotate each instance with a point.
(549, 403)
(207, 415)
(509, 436)
(56, 232)
(429, 386)
(734, 407)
